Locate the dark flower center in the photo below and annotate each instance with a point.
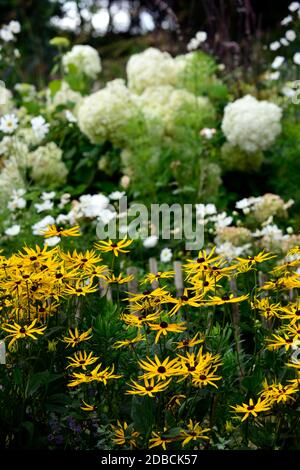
(184, 298)
(79, 290)
(191, 368)
(149, 388)
(202, 377)
(146, 292)
(225, 297)
(200, 260)
(33, 258)
(58, 275)
(22, 330)
(161, 369)
(164, 324)
(250, 408)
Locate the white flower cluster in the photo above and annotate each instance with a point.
(171, 106)
(8, 31)
(85, 59)
(46, 165)
(6, 103)
(250, 124)
(264, 208)
(64, 96)
(151, 68)
(105, 114)
(195, 42)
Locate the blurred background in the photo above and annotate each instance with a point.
(237, 29)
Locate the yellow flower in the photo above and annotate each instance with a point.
(128, 342)
(259, 258)
(291, 312)
(190, 342)
(183, 300)
(82, 359)
(115, 247)
(120, 279)
(124, 435)
(87, 407)
(131, 319)
(163, 328)
(98, 374)
(277, 392)
(53, 231)
(22, 331)
(155, 277)
(148, 388)
(226, 299)
(79, 289)
(266, 309)
(205, 377)
(193, 432)
(76, 338)
(252, 408)
(280, 341)
(161, 370)
(161, 439)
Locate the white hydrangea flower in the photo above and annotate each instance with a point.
(46, 165)
(52, 241)
(250, 124)
(13, 230)
(151, 68)
(166, 255)
(151, 241)
(85, 58)
(104, 114)
(6, 103)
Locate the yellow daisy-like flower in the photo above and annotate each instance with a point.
(155, 277)
(190, 342)
(205, 377)
(259, 258)
(53, 231)
(22, 331)
(79, 289)
(226, 299)
(193, 432)
(82, 359)
(291, 312)
(120, 279)
(75, 338)
(266, 309)
(128, 342)
(115, 247)
(162, 370)
(163, 328)
(149, 388)
(277, 342)
(252, 408)
(161, 439)
(277, 392)
(184, 300)
(98, 374)
(125, 435)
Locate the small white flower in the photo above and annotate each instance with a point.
(13, 230)
(48, 196)
(288, 19)
(62, 219)
(274, 46)
(290, 230)
(290, 35)
(296, 58)
(246, 210)
(207, 133)
(116, 195)
(284, 42)
(40, 227)
(40, 127)
(52, 241)
(70, 116)
(44, 206)
(166, 255)
(6, 34)
(64, 199)
(8, 123)
(195, 42)
(150, 242)
(277, 62)
(14, 27)
(273, 75)
(294, 6)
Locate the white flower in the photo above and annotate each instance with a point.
(203, 210)
(195, 42)
(277, 62)
(290, 230)
(221, 220)
(85, 58)
(40, 127)
(149, 68)
(46, 165)
(92, 206)
(274, 45)
(250, 124)
(230, 251)
(207, 132)
(284, 42)
(17, 201)
(290, 35)
(166, 255)
(13, 230)
(62, 219)
(64, 199)
(274, 75)
(14, 27)
(296, 58)
(70, 116)
(52, 241)
(294, 6)
(288, 19)
(116, 195)
(106, 216)
(40, 227)
(150, 242)
(44, 206)
(8, 123)
(6, 34)
(48, 196)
